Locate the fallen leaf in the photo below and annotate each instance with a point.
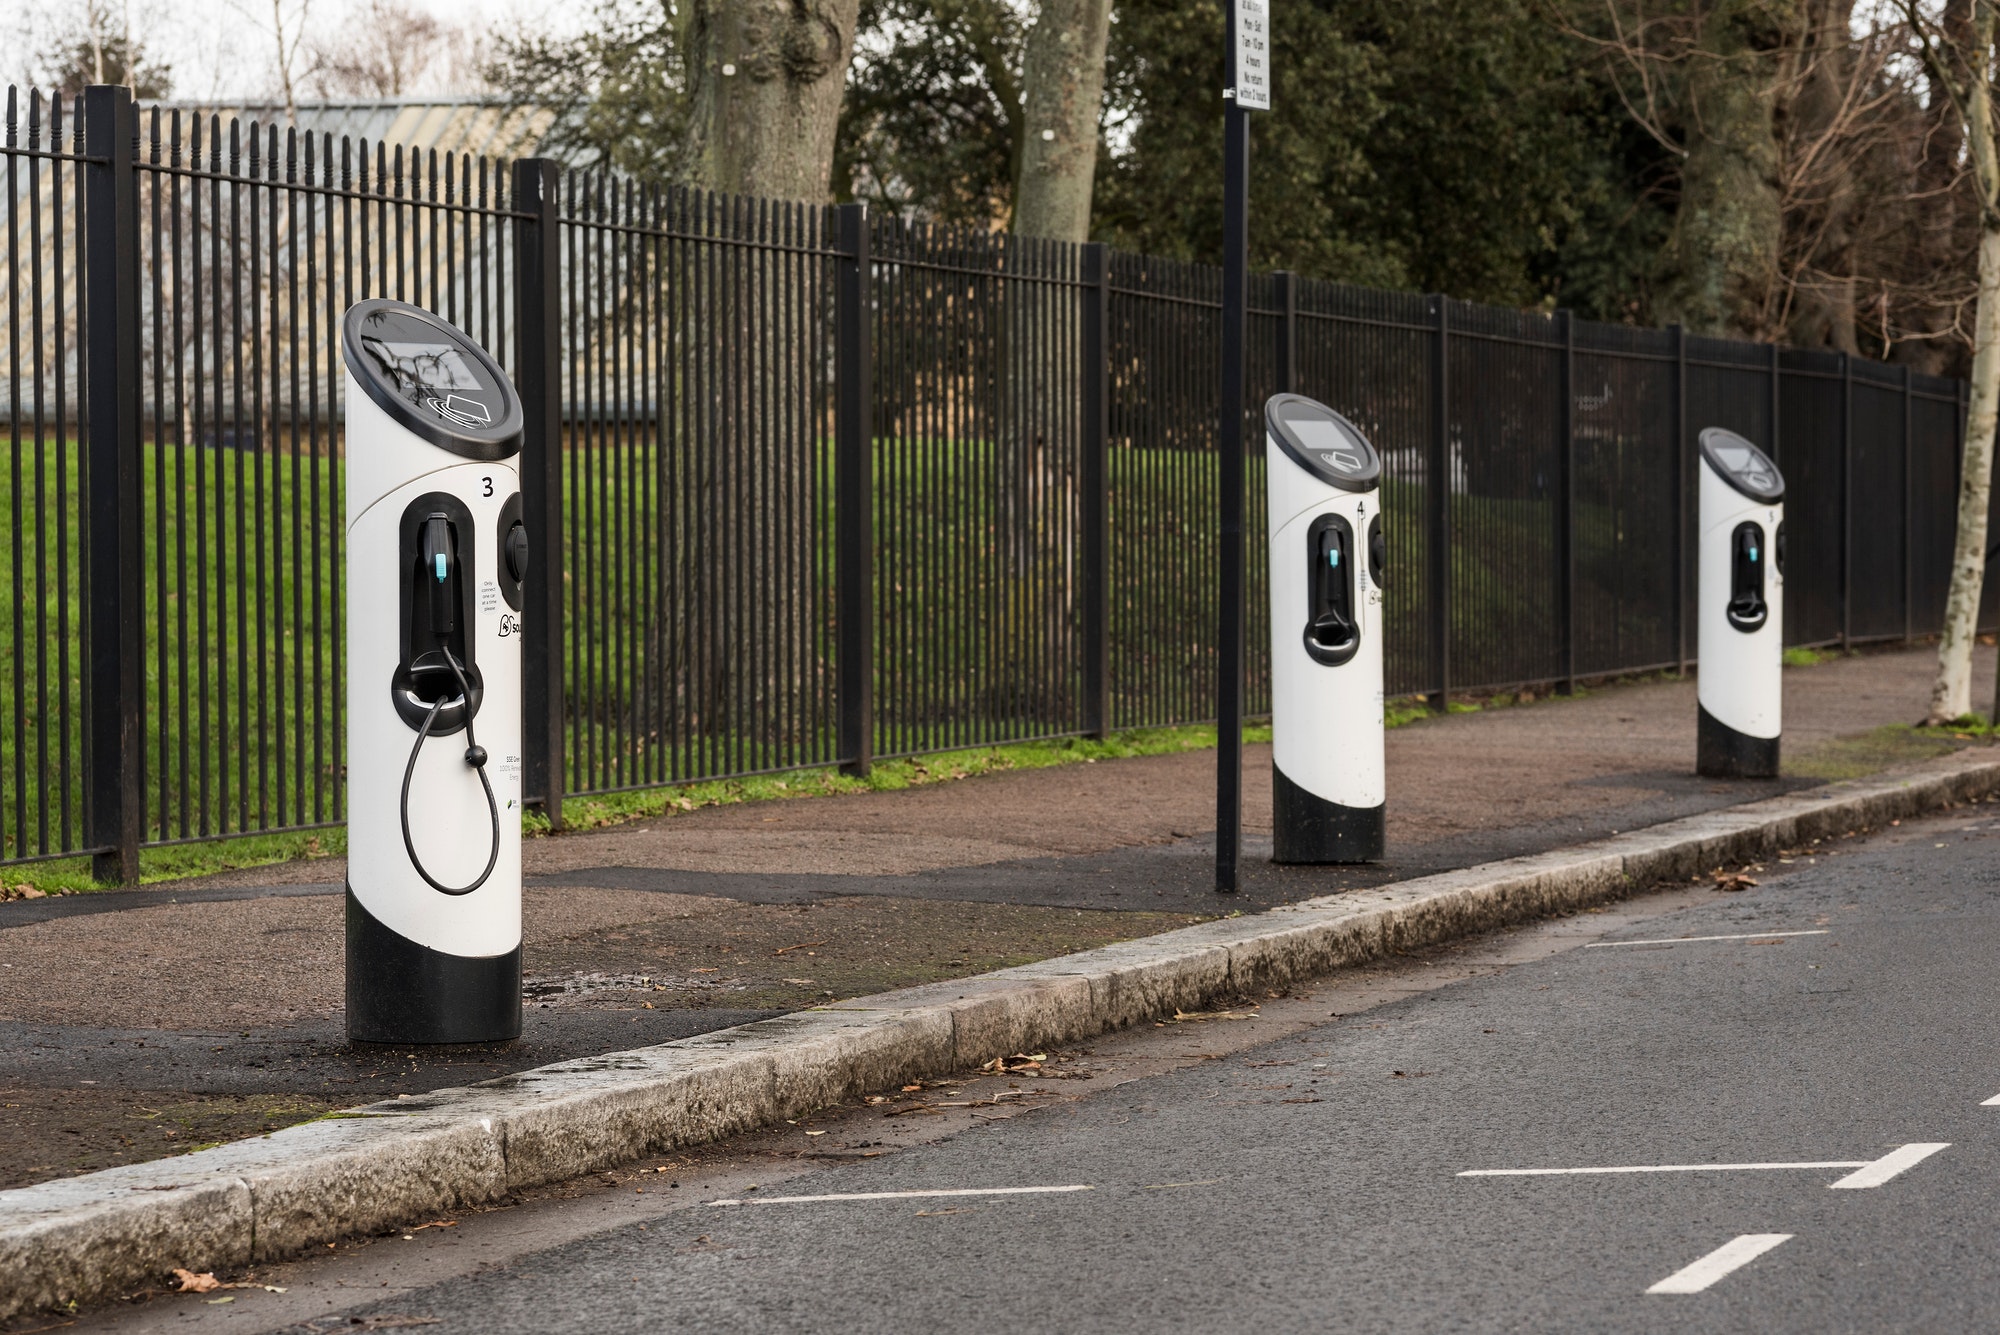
(800, 946)
(1020, 1061)
(800, 982)
(815, 1133)
(205, 1282)
(1733, 880)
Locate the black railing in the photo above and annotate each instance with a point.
(810, 486)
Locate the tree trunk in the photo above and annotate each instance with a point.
(765, 78)
(1062, 74)
(1951, 694)
(1722, 259)
(1062, 77)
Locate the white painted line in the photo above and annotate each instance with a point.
(1889, 1165)
(1666, 1168)
(1870, 1172)
(1730, 1257)
(901, 1195)
(1680, 940)
(1993, 1102)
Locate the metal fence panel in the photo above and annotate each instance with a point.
(977, 391)
(1628, 511)
(1506, 416)
(1165, 392)
(1877, 539)
(697, 618)
(1811, 454)
(752, 577)
(41, 673)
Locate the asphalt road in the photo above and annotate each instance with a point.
(1302, 1172)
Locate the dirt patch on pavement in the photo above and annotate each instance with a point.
(47, 1133)
(256, 963)
(788, 956)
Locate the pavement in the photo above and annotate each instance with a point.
(139, 1023)
(1802, 1067)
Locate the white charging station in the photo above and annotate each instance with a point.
(1327, 555)
(436, 555)
(1741, 620)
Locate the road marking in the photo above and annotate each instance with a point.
(1662, 1168)
(1870, 1172)
(901, 1195)
(1993, 1102)
(1727, 1259)
(1890, 1164)
(1678, 940)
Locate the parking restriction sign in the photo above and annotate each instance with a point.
(1253, 54)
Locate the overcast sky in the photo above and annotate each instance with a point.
(218, 51)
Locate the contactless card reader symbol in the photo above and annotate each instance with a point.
(1342, 460)
(466, 412)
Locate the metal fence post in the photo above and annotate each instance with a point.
(1437, 519)
(1288, 331)
(1846, 500)
(1094, 481)
(1566, 512)
(538, 326)
(854, 487)
(1679, 454)
(1909, 513)
(1771, 353)
(116, 593)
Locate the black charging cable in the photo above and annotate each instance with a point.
(475, 756)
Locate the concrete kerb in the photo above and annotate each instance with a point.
(104, 1233)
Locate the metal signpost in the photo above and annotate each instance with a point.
(1249, 90)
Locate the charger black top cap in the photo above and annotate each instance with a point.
(1322, 442)
(1742, 465)
(432, 379)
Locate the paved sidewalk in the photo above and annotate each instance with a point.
(137, 1023)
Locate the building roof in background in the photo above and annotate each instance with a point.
(465, 125)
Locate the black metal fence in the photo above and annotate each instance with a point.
(809, 486)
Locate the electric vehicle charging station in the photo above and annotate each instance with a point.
(1327, 556)
(436, 555)
(1741, 622)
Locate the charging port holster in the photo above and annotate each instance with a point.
(1747, 610)
(436, 614)
(1333, 634)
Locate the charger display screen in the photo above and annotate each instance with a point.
(422, 365)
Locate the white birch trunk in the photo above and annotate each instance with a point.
(1951, 693)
